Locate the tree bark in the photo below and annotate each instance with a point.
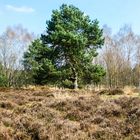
(75, 78)
(76, 82)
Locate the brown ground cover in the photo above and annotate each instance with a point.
(51, 114)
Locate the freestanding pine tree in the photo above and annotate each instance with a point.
(74, 36)
(73, 40)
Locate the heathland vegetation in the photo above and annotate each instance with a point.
(76, 81)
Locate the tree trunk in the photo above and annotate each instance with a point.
(75, 82)
(75, 78)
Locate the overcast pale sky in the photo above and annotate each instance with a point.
(32, 14)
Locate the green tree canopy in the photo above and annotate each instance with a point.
(67, 49)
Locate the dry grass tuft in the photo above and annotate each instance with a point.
(115, 91)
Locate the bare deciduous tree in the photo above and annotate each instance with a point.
(120, 54)
(13, 43)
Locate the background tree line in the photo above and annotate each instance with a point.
(14, 41)
(72, 58)
(120, 57)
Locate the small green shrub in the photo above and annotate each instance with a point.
(3, 81)
(67, 84)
